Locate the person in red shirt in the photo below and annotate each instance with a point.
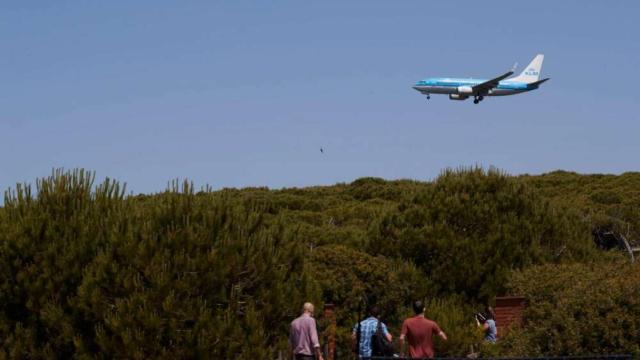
(419, 331)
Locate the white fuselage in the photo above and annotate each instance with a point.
(463, 87)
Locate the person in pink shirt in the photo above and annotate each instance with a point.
(303, 336)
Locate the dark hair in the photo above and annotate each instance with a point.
(418, 307)
(374, 311)
(489, 313)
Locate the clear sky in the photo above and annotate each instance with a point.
(242, 93)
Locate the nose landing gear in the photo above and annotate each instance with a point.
(428, 96)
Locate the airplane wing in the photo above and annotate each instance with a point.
(490, 84)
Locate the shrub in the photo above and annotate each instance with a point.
(471, 227)
(577, 309)
(353, 279)
(86, 272)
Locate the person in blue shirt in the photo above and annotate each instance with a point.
(368, 327)
(488, 323)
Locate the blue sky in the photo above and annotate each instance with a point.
(240, 93)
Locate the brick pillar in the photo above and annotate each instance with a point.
(330, 315)
(508, 311)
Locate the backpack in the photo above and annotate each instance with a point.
(380, 346)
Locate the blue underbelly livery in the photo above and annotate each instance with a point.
(462, 89)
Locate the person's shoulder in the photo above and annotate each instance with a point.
(301, 319)
(308, 319)
(412, 319)
(430, 322)
(370, 320)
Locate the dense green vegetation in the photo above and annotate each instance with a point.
(577, 309)
(90, 272)
(605, 201)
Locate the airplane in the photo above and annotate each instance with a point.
(461, 89)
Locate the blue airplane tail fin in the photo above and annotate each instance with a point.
(531, 73)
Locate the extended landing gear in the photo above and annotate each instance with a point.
(428, 96)
(477, 99)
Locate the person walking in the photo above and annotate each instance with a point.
(303, 336)
(419, 331)
(367, 328)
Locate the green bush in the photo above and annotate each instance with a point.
(353, 279)
(577, 309)
(471, 227)
(348, 276)
(89, 272)
(605, 201)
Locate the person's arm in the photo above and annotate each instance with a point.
(403, 333)
(315, 341)
(401, 338)
(386, 333)
(442, 335)
(354, 339)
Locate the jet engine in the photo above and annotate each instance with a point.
(457, 97)
(465, 90)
